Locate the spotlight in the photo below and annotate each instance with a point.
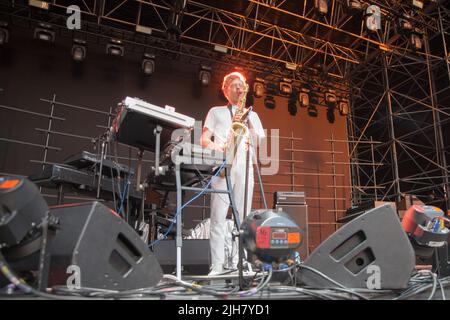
(417, 3)
(78, 50)
(39, 4)
(425, 227)
(272, 236)
(115, 48)
(330, 98)
(416, 42)
(286, 86)
(330, 114)
(292, 103)
(45, 32)
(220, 49)
(373, 18)
(321, 7)
(22, 208)
(343, 107)
(291, 66)
(303, 97)
(271, 88)
(312, 111)
(269, 102)
(354, 6)
(258, 88)
(4, 32)
(144, 29)
(204, 75)
(148, 63)
(404, 24)
(416, 39)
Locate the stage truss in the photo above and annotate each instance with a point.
(398, 127)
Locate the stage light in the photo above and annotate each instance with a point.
(291, 66)
(78, 50)
(417, 4)
(330, 114)
(271, 235)
(343, 107)
(115, 48)
(4, 32)
(220, 49)
(148, 63)
(22, 208)
(321, 7)
(39, 4)
(373, 18)
(404, 24)
(258, 88)
(286, 86)
(292, 103)
(45, 32)
(330, 98)
(416, 41)
(354, 5)
(204, 75)
(303, 97)
(143, 29)
(269, 102)
(425, 227)
(312, 111)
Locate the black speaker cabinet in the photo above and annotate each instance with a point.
(441, 260)
(372, 245)
(98, 248)
(298, 213)
(195, 256)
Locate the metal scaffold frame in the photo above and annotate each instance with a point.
(401, 99)
(399, 94)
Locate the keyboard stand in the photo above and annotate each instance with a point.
(180, 190)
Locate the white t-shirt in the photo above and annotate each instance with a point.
(219, 121)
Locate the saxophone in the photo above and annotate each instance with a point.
(238, 131)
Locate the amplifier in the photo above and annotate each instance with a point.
(289, 197)
(298, 213)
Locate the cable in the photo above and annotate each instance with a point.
(123, 197)
(22, 285)
(187, 203)
(259, 287)
(341, 286)
(442, 289)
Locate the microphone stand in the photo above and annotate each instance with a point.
(104, 139)
(261, 187)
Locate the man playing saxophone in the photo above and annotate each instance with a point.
(216, 135)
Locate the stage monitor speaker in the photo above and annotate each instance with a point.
(441, 260)
(195, 256)
(299, 214)
(374, 242)
(94, 245)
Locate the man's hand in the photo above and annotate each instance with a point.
(247, 144)
(218, 146)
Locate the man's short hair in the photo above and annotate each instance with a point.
(230, 77)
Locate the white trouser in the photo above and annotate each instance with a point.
(219, 209)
